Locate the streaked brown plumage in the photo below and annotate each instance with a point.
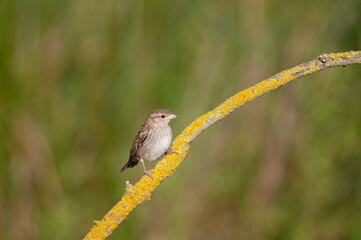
(153, 139)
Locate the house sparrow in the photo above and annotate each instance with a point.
(153, 139)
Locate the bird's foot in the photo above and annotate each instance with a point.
(170, 152)
(148, 173)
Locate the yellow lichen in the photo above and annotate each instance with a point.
(340, 56)
(140, 192)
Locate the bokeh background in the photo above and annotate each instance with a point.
(77, 79)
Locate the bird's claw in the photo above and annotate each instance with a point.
(148, 173)
(170, 152)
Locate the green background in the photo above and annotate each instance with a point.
(77, 79)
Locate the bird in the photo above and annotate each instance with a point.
(152, 140)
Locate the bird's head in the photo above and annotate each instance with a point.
(160, 117)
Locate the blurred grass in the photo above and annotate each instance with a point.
(78, 78)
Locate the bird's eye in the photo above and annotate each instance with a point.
(162, 116)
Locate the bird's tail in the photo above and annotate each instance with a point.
(129, 164)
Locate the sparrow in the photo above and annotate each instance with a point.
(153, 139)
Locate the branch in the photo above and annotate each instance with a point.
(141, 191)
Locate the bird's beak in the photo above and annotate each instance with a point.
(171, 116)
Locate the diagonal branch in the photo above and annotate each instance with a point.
(141, 191)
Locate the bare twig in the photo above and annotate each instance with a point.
(141, 191)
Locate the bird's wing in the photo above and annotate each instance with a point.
(142, 135)
(137, 143)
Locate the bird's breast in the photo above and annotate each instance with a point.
(156, 144)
